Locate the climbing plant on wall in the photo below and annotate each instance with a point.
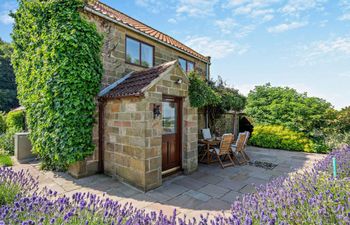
(58, 71)
(200, 93)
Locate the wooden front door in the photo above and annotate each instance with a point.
(171, 138)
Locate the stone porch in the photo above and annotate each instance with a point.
(210, 189)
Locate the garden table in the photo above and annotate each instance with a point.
(206, 158)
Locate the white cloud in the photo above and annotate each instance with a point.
(172, 20)
(325, 51)
(225, 25)
(294, 7)
(262, 9)
(345, 17)
(5, 18)
(244, 31)
(215, 48)
(286, 26)
(196, 8)
(153, 6)
(345, 6)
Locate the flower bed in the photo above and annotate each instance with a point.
(313, 197)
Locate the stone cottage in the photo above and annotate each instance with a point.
(146, 128)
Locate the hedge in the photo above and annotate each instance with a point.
(279, 137)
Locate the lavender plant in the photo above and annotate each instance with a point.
(313, 197)
(15, 184)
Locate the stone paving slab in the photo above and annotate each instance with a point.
(211, 190)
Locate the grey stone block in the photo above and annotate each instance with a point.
(23, 147)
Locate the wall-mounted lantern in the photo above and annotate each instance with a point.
(156, 111)
(179, 81)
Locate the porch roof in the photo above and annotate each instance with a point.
(135, 83)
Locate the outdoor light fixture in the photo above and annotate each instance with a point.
(179, 81)
(156, 111)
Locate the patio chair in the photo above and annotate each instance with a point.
(206, 134)
(223, 151)
(239, 147)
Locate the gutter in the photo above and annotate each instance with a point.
(140, 32)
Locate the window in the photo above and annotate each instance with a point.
(186, 65)
(139, 53)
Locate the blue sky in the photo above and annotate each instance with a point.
(304, 44)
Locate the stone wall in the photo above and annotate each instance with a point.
(113, 52)
(133, 137)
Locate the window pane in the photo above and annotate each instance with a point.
(190, 66)
(169, 117)
(182, 64)
(146, 55)
(132, 51)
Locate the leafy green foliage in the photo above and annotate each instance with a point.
(231, 99)
(285, 106)
(2, 123)
(15, 122)
(343, 120)
(200, 93)
(279, 137)
(338, 133)
(58, 71)
(8, 92)
(267, 105)
(5, 160)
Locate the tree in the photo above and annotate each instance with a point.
(230, 100)
(58, 70)
(8, 92)
(285, 106)
(343, 120)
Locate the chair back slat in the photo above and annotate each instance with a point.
(241, 141)
(206, 133)
(225, 144)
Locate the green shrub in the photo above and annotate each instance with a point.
(2, 123)
(279, 137)
(58, 73)
(15, 122)
(5, 160)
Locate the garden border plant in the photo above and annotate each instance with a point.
(58, 71)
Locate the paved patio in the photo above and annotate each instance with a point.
(210, 189)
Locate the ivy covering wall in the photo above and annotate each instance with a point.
(58, 72)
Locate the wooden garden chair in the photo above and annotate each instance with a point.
(239, 147)
(224, 151)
